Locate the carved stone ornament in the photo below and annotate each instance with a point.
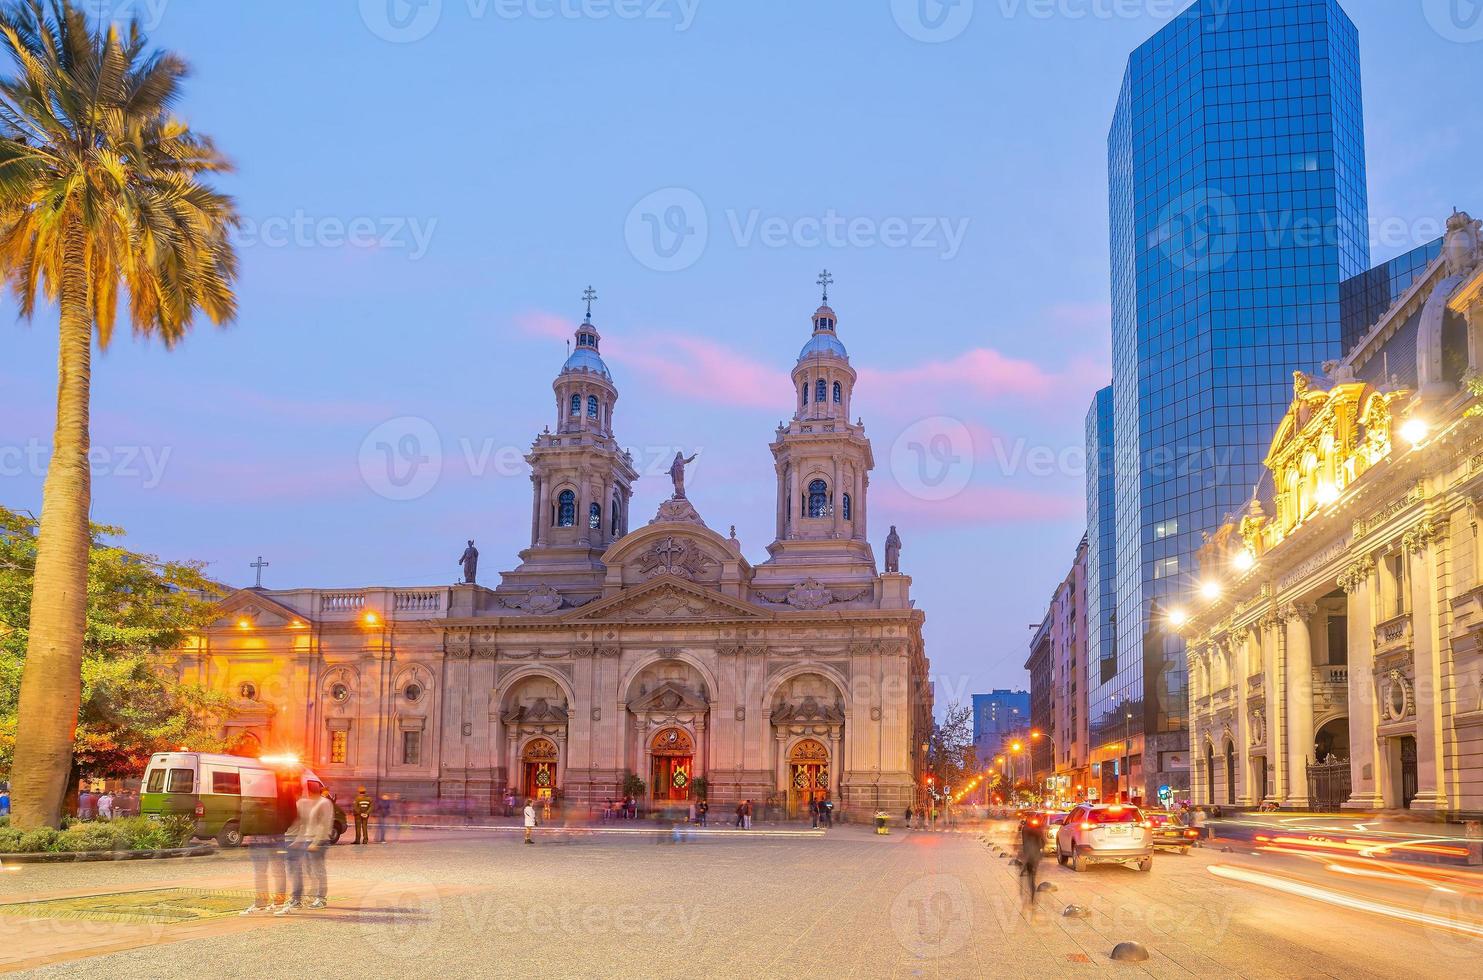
(1397, 700)
(677, 511)
(1258, 733)
(1423, 534)
(540, 600)
(677, 557)
(1356, 574)
(811, 594)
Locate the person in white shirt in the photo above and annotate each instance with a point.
(308, 839)
(530, 819)
(105, 806)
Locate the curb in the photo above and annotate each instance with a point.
(58, 857)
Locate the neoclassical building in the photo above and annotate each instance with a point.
(1334, 636)
(656, 649)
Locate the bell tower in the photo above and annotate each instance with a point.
(822, 462)
(581, 479)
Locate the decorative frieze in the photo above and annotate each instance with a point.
(1368, 523)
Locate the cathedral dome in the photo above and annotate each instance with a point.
(586, 359)
(824, 340)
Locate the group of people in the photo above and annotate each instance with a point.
(281, 862)
(744, 814)
(921, 817)
(624, 809)
(821, 813)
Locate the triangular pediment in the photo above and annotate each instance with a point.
(666, 599)
(668, 697)
(257, 609)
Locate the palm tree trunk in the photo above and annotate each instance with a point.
(51, 686)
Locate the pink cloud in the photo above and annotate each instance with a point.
(704, 369)
(548, 325)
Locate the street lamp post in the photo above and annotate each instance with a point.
(1128, 750)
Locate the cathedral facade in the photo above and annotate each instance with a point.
(615, 652)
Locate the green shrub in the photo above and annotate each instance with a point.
(5, 821)
(100, 836)
(10, 840)
(38, 840)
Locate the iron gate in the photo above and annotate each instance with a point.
(1328, 785)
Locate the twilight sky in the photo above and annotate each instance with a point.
(429, 185)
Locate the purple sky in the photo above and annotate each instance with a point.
(429, 188)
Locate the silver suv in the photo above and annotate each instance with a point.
(1105, 832)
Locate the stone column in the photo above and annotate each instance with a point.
(535, 508)
(1422, 546)
(543, 516)
(837, 500)
(1358, 582)
(1240, 670)
(793, 497)
(857, 515)
(1274, 687)
(1298, 702)
(560, 740)
(782, 501)
(836, 763)
(782, 755)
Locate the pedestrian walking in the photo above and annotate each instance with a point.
(908, 818)
(1197, 821)
(701, 810)
(1032, 848)
(530, 819)
(827, 812)
(361, 809)
(383, 816)
(308, 839)
(269, 873)
(741, 809)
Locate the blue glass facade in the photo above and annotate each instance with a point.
(1364, 299)
(996, 716)
(1238, 207)
(1101, 562)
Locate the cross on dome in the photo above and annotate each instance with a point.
(825, 280)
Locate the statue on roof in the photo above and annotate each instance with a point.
(893, 551)
(469, 560)
(677, 473)
(1463, 246)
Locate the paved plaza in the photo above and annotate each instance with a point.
(848, 903)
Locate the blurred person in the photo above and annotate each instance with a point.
(361, 809)
(307, 840)
(908, 818)
(1032, 848)
(105, 806)
(1197, 821)
(746, 814)
(701, 809)
(269, 873)
(383, 813)
(4, 799)
(87, 804)
(530, 819)
(813, 813)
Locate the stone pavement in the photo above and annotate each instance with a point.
(453, 904)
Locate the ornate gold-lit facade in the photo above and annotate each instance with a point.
(1335, 634)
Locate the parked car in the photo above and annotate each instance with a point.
(1051, 820)
(1170, 832)
(229, 796)
(1112, 833)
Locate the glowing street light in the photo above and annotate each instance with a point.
(1327, 494)
(1244, 560)
(1210, 589)
(1415, 431)
(1177, 618)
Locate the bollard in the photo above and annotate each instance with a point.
(1075, 911)
(1046, 886)
(1129, 952)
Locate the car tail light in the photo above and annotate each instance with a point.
(1192, 833)
(200, 810)
(1146, 825)
(1087, 825)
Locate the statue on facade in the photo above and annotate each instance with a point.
(1463, 246)
(677, 473)
(893, 551)
(470, 562)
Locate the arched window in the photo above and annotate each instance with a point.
(821, 391)
(803, 395)
(838, 391)
(818, 497)
(614, 517)
(566, 509)
(594, 517)
(847, 511)
(592, 406)
(576, 404)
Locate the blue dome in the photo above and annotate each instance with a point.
(823, 342)
(586, 359)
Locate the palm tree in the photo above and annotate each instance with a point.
(101, 191)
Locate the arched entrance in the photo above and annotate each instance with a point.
(808, 775)
(673, 751)
(538, 768)
(1230, 773)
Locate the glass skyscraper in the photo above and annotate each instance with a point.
(1238, 208)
